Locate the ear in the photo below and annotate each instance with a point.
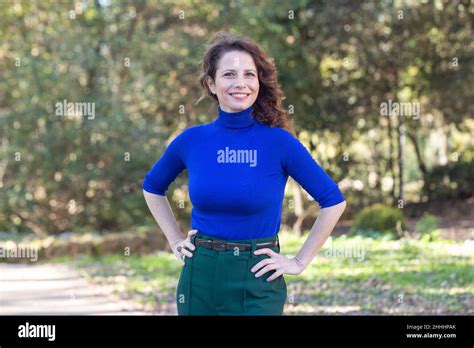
(211, 85)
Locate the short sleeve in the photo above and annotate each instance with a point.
(166, 169)
(300, 165)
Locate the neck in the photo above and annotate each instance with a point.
(239, 119)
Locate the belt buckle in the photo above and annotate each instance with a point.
(219, 245)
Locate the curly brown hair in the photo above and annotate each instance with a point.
(267, 107)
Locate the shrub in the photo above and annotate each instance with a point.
(453, 180)
(427, 224)
(379, 217)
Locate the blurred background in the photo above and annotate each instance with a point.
(380, 92)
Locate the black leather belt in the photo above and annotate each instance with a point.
(222, 245)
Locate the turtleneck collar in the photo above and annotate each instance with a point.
(240, 119)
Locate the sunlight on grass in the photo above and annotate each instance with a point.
(349, 275)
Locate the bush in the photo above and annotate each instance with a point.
(380, 218)
(433, 236)
(374, 235)
(427, 224)
(453, 180)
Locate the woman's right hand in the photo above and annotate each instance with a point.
(183, 247)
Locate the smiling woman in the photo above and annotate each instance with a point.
(237, 201)
(237, 73)
(236, 84)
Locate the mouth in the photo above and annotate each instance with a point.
(239, 96)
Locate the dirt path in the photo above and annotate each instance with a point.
(55, 289)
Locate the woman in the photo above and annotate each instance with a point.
(238, 166)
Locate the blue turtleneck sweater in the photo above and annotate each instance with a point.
(238, 169)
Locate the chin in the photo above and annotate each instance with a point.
(237, 107)
(240, 105)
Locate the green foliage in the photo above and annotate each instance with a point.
(427, 224)
(454, 180)
(379, 218)
(138, 62)
(433, 236)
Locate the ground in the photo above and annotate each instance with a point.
(350, 275)
(56, 289)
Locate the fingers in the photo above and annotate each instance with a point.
(178, 253)
(181, 261)
(267, 251)
(186, 252)
(187, 244)
(261, 264)
(192, 233)
(267, 268)
(275, 275)
(184, 247)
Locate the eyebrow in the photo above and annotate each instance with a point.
(234, 70)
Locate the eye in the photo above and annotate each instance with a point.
(228, 74)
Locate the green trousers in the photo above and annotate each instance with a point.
(214, 282)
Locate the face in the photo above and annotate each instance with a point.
(236, 83)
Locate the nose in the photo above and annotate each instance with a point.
(239, 82)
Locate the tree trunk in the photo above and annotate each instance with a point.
(299, 221)
(401, 150)
(391, 150)
(419, 157)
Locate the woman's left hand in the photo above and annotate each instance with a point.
(278, 262)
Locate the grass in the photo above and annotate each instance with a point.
(350, 275)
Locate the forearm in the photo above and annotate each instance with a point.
(319, 233)
(161, 211)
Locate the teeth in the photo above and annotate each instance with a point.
(240, 94)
